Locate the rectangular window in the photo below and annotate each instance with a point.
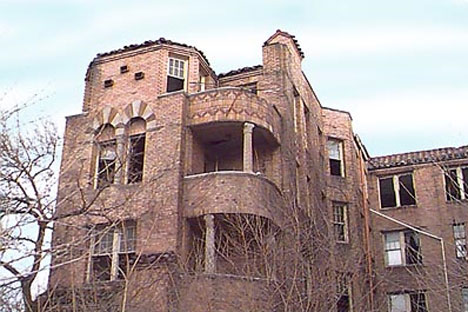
(175, 75)
(340, 222)
(112, 246)
(407, 302)
(335, 156)
(459, 235)
(465, 299)
(343, 293)
(402, 248)
(106, 163)
(397, 190)
(136, 158)
(456, 183)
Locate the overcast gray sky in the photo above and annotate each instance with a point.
(400, 67)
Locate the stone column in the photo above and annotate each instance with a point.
(121, 156)
(210, 261)
(248, 147)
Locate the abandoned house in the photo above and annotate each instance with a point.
(186, 190)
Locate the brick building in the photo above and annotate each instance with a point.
(184, 190)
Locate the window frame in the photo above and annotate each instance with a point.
(396, 187)
(113, 164)
(344, 290)
(136, 177)
(460, 185)
(459, 238)
(403, 249)
(340, 144)
(342, 223)
(410, 298)
(177, 72)
(464, 301)
(120, 235)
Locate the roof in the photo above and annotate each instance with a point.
(292, 37)
(150, 43)
(240, 71)
(420, 157)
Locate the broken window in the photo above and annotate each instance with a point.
(343, 292)
(106, 163)
(408, 302)
(456, 183)
(136, 150)
(111, 249)
(175, 75)
(402, 248)
(335, 156)
(340, 222)
(459, 235)
(397, 190)
(136, 158)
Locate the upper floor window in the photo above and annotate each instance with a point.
(176, 74)
(340, 222)
(456, 183)
(407, 302)
(397, 190)
(136, 150)
(112, 246)
(335, 156)
(106, 161)
(465, 299)
(402, 248)
(459, 235)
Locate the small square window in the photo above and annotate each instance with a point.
(123, 69)
(108, 83)
(139, 75)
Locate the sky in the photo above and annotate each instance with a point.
(399, 67)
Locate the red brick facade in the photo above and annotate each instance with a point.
(250, 195)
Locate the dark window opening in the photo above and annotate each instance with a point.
(335, 167)
(136, 158)
(456, 183)
(174, 84)
(343, 303)
(251, 87)
(387, 193)
(102, 267)
(418, 302)
(406, 190)
(106, 163)
(139, 75)
(123, 69)
(412, 248)
(108, 83)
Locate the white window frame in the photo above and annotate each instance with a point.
(464, 294)
(340, 222)
(401, 247)
(117, 232)
(459, 236)
(396, 189)
(340, 143)
(407, 301)
(174, 70)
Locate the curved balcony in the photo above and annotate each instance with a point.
(232, 104)
(232, 192)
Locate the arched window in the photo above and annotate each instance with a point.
(106, 156)
(136, 149)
